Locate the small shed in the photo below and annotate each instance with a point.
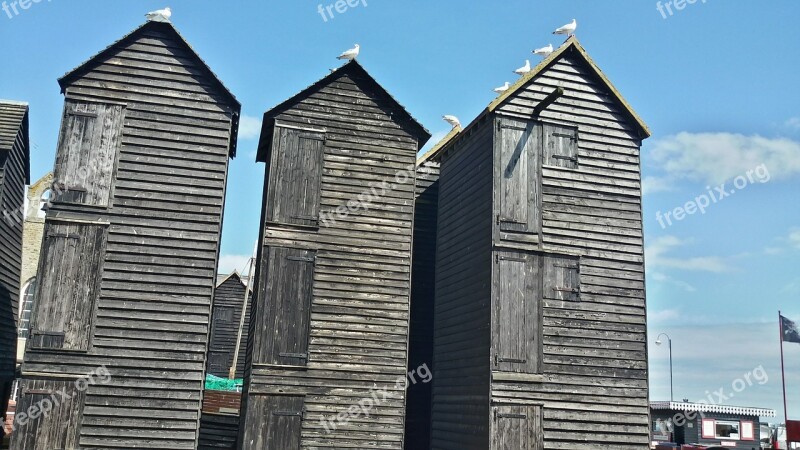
(226, 323)
(327, 353)
(14, 176)
(539, 314)
(121, 315)
(704, 424)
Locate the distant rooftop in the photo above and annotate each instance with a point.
(704, 407)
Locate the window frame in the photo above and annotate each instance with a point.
(735, 423)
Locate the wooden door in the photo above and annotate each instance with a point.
(274, 422)
(295, 180)
(282, 329)
(58, 407)
(562, 279)
(519, 191)
(91, 135)
(69, 277)
(518, 428)
(560, 146)
(516, 313)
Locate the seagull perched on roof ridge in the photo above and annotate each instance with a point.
(452, 120)
(568, 29)
(162, 15)
(524, 69)
(350, 54)
(544, 51)
(503, 88)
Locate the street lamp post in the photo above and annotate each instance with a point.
(669, 341)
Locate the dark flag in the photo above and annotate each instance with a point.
(791, 333)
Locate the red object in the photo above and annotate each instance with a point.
(748, 432)
(793, 431)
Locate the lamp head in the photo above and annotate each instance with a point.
(658, 341)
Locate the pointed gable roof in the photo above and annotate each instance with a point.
(13, 119)
(573, 47)
(356, 71)
(167, 28)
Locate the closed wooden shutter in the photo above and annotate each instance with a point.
(516, 313)
(91, 135)
(560, 146)
(59, 428)
(278, 423)
(519, 183)
(281, 331)
(562, 279)
(295, 177)
(518, 427)
(69, 284)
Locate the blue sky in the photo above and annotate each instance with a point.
(717, 83)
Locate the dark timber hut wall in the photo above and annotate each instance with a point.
(225, 320)
(330, 321)
(420, 343)
(14, 175)
(130, 251)
(540, 336)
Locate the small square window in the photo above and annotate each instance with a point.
(728, 430)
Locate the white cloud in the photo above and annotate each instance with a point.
(663, 316)
(663, 278)
(794, 238)
(656, 184)
(229, 263)
(717, 157)
(656, 255)
(794, 122)
(249, 127)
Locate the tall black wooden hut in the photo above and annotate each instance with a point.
(129, 258)
(330, 320)
(14, 175)
(539, 317)
(226, 321)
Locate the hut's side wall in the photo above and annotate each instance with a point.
(423, 289)
(13, 164)
(225, 319)
(150, 324)
(594, 351)
(463, 291)
(360, 264)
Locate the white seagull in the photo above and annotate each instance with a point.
(162, 15)
(568, 29)
(524, 69)
(350, 54)
(452, 120)
(544, 51)
(503, 88)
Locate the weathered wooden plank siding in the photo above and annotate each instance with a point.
(164, 222)
(594, 350)
(462, 317)
(423, 291)
(225, 320)
(361, 263)
(218, 432)
(14, 163)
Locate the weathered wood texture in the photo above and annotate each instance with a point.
(462, 314)
(14, 175)
(423, 289)
(331, 314)
(218, 432)
(147, 116)
(225, 320)
(568, 300)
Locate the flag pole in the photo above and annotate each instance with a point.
(783, 371)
